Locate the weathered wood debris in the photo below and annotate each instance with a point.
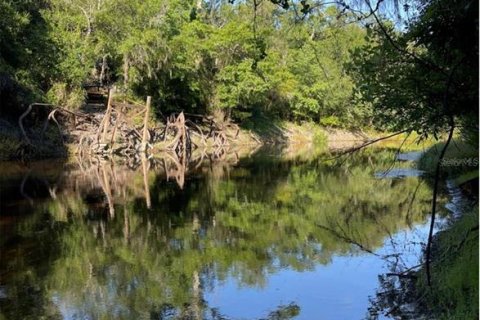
(112, 132)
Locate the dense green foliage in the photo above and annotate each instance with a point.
(194, 56)
(426, 78)
(250, 57)
(247, 59)
(27, 56)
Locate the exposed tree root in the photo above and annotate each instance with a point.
(113, 131)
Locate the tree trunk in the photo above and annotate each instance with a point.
(126, 67)
(103, 70)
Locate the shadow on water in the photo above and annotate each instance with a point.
(158, 239)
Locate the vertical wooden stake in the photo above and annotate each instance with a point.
(145, 124)
(117, 123)
(106, 119)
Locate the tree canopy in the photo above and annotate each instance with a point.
(243, 58)
(340, 63)
(427, 77)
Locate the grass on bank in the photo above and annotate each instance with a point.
(276, 131)
(454, 291)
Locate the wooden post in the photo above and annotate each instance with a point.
(106, 118)
(117, 123)
(145, 124)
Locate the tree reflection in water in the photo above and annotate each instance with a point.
(147, 242)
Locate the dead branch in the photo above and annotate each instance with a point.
(23, 115)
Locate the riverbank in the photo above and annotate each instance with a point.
(13, 146)
(460, 158)
(454, 271)
(64, 139)
(453, 293)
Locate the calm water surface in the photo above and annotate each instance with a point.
(241, 238)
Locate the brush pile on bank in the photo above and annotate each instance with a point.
(127, 130)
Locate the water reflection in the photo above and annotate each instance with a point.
(152, 239)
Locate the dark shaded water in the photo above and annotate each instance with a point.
(251, 238)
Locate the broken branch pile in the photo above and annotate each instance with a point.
(114, 132)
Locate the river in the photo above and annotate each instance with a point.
(254, 237)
